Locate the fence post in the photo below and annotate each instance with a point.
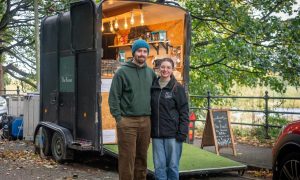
(266, 98)
(4, 91)
(208, 100)
(18, 90)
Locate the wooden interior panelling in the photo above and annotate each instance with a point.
(108, 121)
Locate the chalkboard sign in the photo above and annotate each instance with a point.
(223, 135)
(217, 131)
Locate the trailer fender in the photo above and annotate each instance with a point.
(65, 133)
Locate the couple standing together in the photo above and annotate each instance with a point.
(145, 106)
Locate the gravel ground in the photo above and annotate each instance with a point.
(19, 162)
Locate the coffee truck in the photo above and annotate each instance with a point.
(80, 52)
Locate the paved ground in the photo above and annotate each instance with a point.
(260, 157)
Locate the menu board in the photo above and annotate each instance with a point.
(217, 131)
(222, 130)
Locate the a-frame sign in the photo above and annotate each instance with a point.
(217, 131)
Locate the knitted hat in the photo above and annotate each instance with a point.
(139, 44)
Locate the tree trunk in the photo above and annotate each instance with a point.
(37, 43)
(1, 79)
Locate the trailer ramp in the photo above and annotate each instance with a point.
(194, 160)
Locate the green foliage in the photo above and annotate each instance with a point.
(238, 132)
(273, 132)
(243, 43)
(17, 36)
(233, 42)
(48, 8)
(260, 132)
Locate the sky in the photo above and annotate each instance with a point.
(287, 16)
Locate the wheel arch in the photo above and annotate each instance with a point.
(284, 150)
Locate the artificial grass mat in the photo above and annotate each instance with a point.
(192, 159)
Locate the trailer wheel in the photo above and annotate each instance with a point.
(46, 136)
(58, 147)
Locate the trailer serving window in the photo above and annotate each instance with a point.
(162, 26)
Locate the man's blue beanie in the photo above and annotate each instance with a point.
(139, 44)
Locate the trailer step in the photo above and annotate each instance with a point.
(80, 144)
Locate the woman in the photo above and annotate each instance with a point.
(169, 121)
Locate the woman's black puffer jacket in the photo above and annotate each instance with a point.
(169, 111)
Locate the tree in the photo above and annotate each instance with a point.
(244, 43)
(17, 36)
(239, 42)
(14, 37)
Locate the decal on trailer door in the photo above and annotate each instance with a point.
(67, 74)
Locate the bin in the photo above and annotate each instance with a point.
(17, 128)
(31, 115)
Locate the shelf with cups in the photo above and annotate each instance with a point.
(154, 44)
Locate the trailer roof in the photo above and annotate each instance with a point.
(153, 12)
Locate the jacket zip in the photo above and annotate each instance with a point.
(158, 112)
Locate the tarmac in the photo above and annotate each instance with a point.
(252, 156)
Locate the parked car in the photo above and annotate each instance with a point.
(286, 153)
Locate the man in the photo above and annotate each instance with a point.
(129, 102)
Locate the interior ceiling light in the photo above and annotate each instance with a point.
(116, 24)
(125, 23)
(142, 18)
(114, 21)
(111, 26)
(132, 18)
(102, 27)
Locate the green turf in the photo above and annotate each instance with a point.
(193, 158)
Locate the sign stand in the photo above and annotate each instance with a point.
(217, 131)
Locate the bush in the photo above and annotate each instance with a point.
(260, 132)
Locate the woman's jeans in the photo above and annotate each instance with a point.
(166, 156)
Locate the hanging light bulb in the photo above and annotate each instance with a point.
(132, 18)
(142, 18)
(111, 26)
(102, 27)
(116, 24)
(125, 23)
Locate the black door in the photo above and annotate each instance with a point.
(49, 70)
(84, 39)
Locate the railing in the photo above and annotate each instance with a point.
(266, 110)
(5, 91)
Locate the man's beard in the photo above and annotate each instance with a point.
(140, 59)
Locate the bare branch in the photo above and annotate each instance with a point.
(209, 64)
(21, 25)
(214, 20)
(271, 11)
(205, 43)
(15, 69)
(241, 70)
(21, 79)
(10, 52)
(259, 44)
(9, 13)
(19, 43)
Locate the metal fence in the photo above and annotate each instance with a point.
(14, 102)
(265, 110)
(5, 91)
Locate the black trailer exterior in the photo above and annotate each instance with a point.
(69, 111)
(70, 89)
